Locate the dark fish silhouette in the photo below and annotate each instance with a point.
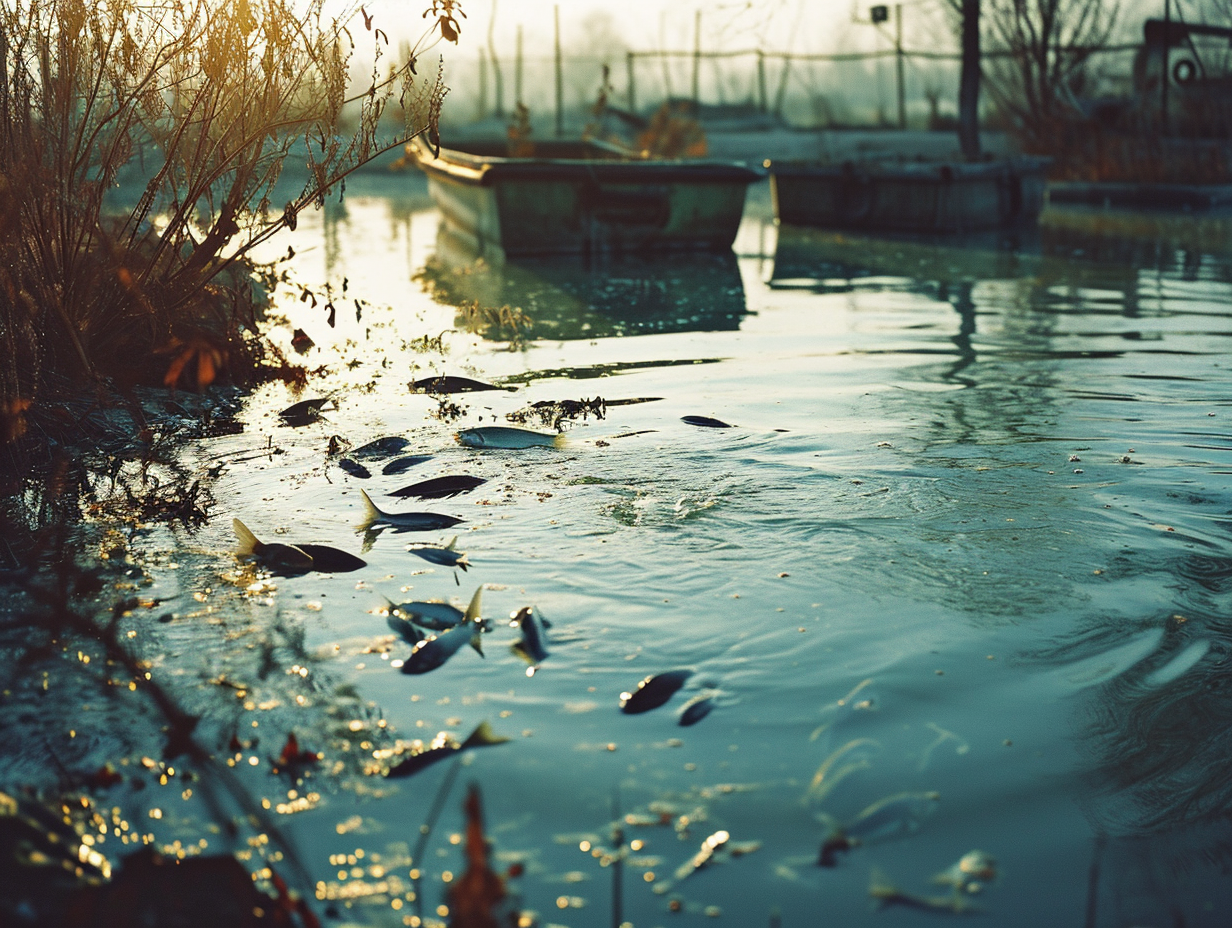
(302, 413)
(405, 629)
(403, 464)
(435, 650)
(297, 558)
(442, 746)
(354, 468)
(653, 691)
(381, 447)
(452, 385)
(404, 521)
(705, 422)
(446, 555)
(696, 709)
(533, 646)
(504, 437)
(440, 487)
(437, 616)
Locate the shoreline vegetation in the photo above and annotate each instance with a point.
(114, 321)
(211, 100)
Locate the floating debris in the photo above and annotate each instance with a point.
(705, 422)
(405, 463)
(500, 437)
(296, 558)
(440, 487)
(442, 746)
(553, 412)
(292, 758)
(653, 691)
(446, 384)
(403, 521)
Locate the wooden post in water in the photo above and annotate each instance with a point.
(482, 110)
(631, 96)
(560, 90)
(496, 71)
(1163, 72)
(517, 69)
(898, 56)
(697, 56)
(969, 82)
(761, 80)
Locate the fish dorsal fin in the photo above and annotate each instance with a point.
(453, 543)
(472, 611)
(371, 513)
(248, 541)
(482, 736)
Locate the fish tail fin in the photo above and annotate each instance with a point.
(880, 888)
(559, 440)
(371, 513)
(390, 605)
(248, 541)
(483, 736)
(463, 563)
(472, 611)
(477, 643)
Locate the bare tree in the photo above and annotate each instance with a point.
(1045, 47)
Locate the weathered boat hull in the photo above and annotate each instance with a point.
(581, 198)
(952, 197)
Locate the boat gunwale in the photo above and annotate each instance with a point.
(464, 167)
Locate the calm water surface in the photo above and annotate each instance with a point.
(984, 489)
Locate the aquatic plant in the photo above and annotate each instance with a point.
(193, 109)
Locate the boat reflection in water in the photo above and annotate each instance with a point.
(571, 297)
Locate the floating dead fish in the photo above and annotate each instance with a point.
(705, 422)
(403, 521)
(653, 692)
(297, 558)
(716, 848)
(405, 463)
(532, 647)
(453, 385)
(381, 447)
(446, 556)
(973, 870)
(354, 468)
(434, 650)
(404, 628)
(503, 437)
(890, 817)
(440, 487)
(303, 413)
(442, 746)
(885, 893)
(696, 709)
(435, 615)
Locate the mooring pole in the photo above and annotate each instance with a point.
(697, 55)
(631, 100)
(761, 80)
(517, 69)
(898, 54)
(1163, 74)
(560, 91)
